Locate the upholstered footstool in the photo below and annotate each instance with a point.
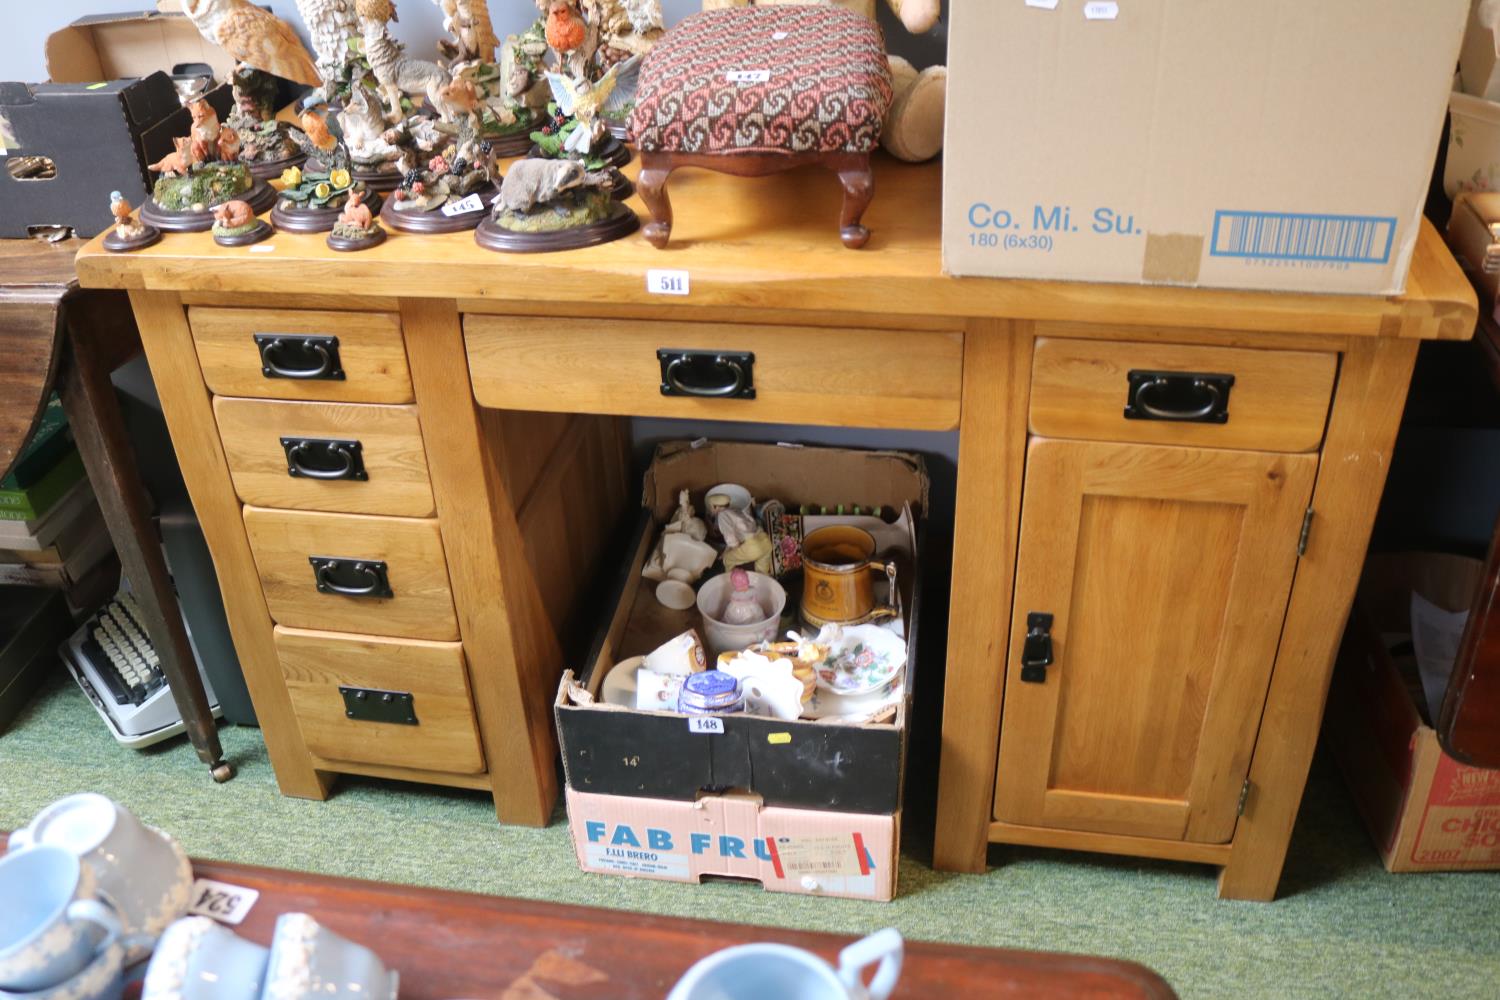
(757, 90)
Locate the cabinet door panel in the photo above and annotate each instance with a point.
(1167, 571)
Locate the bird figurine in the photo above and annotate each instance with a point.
(330, 24)
(255, 38)
(584, 101)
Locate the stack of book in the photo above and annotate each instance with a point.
(52, 533)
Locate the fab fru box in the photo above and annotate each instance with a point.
(1281, 145)
(734, 836)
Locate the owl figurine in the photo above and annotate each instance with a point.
(255, 38)
(330, 23)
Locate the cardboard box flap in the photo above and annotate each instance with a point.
(888, 478)
(109, 46)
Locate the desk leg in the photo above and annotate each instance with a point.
(987, 524)
(1373, 379)
(185, 403)
(98, 427)
(514, 658)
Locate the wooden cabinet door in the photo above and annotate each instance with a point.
(1167, 571)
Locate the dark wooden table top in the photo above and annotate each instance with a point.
(460, 945)
(34, 279)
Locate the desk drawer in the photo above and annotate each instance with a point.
(390, 577)
(1270, 400)
(349, 357)
(444, 737)
(800, 375)
(356, 458)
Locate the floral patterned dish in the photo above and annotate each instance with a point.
(862, 659)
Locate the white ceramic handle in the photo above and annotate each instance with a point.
(19, 839)
(885, 947)
(94, 912)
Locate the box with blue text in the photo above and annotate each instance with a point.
(1281, 145)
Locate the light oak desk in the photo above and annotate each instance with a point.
(1190, 642)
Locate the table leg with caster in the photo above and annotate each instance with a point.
(94, 415)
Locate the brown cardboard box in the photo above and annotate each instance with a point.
(1283, 144)
(734, 835)
(114, 46)
(1425, 810)
(1479, 61)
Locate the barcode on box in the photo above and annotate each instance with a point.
(1335, 239)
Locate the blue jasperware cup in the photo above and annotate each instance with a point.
(50, 926)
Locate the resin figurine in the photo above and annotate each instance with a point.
(235, 225)
(554, 205)
(356, 228)
(263, 46)
(469, 59)
(331, 25)
(399, 75)
(127, 233)
(745, 542)
(202, 172)
(312, 196)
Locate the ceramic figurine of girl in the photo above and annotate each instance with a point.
(744, 606)
(746, 543)
(686, 520)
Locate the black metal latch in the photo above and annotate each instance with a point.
(372, 705)
(1036, 653)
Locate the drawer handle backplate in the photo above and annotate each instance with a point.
(707, 374)
(374, 705)
(286, 355)
(350, 577)
(1185, 397)
(324, 458)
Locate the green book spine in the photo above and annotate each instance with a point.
(49, 444)
(34, 501)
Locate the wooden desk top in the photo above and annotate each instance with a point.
(451, 944)
(771, 243)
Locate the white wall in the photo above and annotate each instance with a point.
(27, 24)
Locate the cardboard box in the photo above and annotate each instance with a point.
(736, 836)
(108, 112)
(1479, 61)
(1282, 145)
(608, 749)
(1424, 810)
(1474, 237)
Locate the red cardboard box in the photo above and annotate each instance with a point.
(1425, 810)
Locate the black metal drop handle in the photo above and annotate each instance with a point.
(324, 352)
(1187, 397)
(723, 374)
(371, 573)
(331, 459)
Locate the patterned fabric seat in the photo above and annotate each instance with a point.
(780, 79)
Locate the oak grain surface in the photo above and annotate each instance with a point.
(765, 243)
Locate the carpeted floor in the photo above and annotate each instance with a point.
(1343, 928)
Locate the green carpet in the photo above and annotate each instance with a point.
(1344, 927)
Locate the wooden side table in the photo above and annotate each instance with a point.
(59, 336)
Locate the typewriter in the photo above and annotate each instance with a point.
(113, 661)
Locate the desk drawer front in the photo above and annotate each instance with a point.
(321, 668)
(329, 571)
(302, 354)
(360, 459)
(805, 375)
(1219, 397)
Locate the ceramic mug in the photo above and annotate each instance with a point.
(309, 961)
(139, 871)
(102, 979)
(838, 563)
(196, 959)
(50, 925)
(758, 971)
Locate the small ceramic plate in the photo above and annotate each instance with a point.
(865, 659)
(825, 706)
(619, 684)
